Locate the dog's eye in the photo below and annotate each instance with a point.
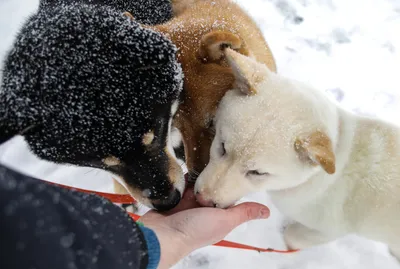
(223, 150)
(256, 173)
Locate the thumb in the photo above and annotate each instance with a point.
(245, 212)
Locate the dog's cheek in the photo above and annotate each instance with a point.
(138, 195)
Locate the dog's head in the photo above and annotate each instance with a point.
(88, 86)
(207, 78)
(272, 133)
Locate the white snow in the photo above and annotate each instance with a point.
(349, 48)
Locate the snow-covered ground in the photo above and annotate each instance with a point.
(349, 48)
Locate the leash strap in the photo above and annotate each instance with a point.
(115, 198)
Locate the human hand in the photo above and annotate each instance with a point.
(189, 227)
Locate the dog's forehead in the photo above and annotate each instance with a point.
(245, 115)
(252, 128)
(261, 142)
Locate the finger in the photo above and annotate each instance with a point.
(245, 212)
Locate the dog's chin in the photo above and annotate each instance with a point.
(140, 198)
(236, 202)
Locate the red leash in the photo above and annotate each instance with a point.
(127, 199)
(115, 198)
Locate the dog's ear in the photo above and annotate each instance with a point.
(248, 73)
(317, 149)
(213, 45)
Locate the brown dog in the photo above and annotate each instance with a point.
(202, 29)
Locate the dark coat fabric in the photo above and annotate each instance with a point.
(46, 227)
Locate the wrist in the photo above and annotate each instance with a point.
(173, 247)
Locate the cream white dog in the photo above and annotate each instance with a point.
(330, 170)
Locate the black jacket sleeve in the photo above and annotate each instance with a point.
(45, 227)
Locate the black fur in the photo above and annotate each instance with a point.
(145, 11)
(85, 82)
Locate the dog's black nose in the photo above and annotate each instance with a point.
(169, 203)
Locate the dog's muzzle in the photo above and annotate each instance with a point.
(169, 203)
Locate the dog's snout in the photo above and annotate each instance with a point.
(169, 202)
(204, 202)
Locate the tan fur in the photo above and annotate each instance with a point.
(174, 170)
(179, 6)
(136, 193)
(129, 15)
(111, 161)
(118, 188)
(148, 138)
(317, 149)
(212, 46)
(201, 30)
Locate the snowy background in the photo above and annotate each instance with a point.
(348, 48)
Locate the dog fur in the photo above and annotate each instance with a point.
(145, 11)
(200, 30)
(87, 86)
(331, 171)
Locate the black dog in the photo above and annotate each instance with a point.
(86, 85)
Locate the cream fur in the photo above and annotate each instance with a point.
(259, 131)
